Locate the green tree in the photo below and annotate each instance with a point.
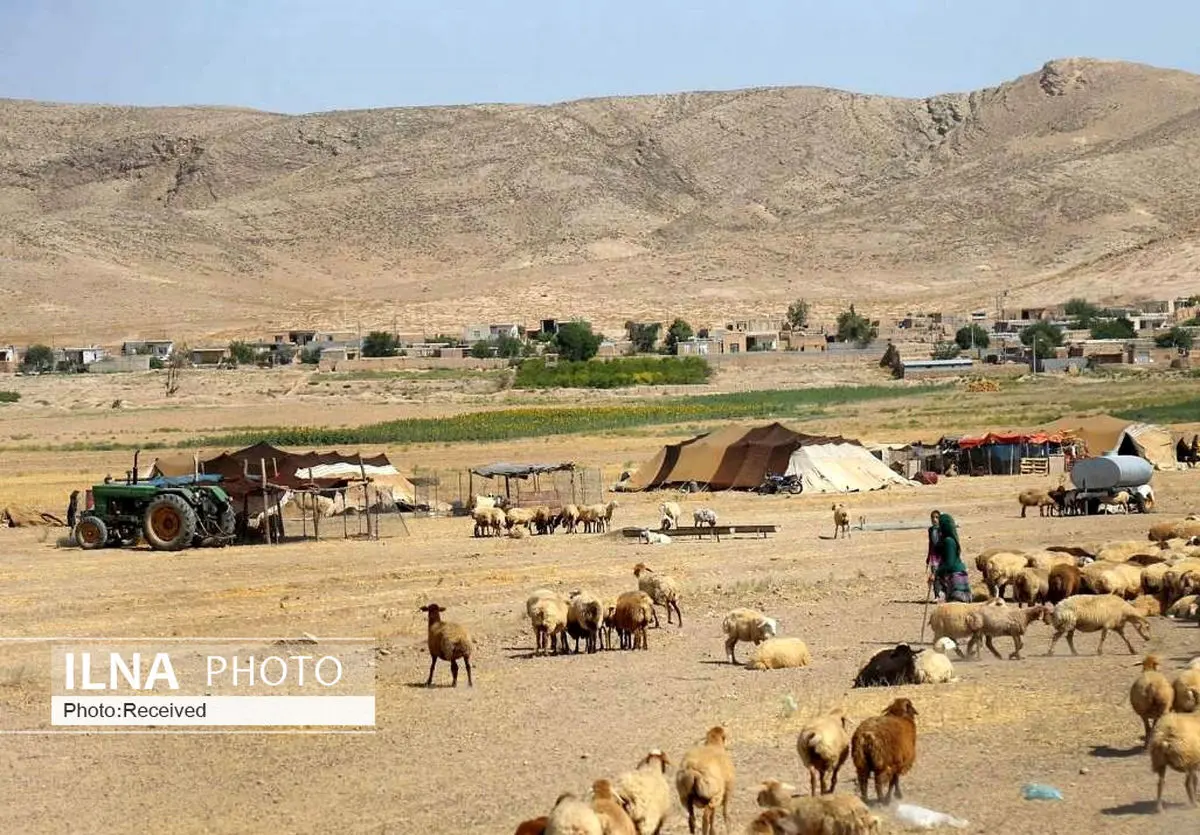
(285, 354)
(39, 358)
(797, 314)
(241, 353)
(852, 327)
(643, 335)
(481, 350)
(1120, 328)
(509, 347)
(945, 351)
(310, 355)
(576, 341)
(380, 344)
(1082, 312)
(680, 331)
(1045, 336)
(972, 334)
(1176, 337)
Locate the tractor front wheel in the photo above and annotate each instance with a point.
(91, 533)
(169, 523)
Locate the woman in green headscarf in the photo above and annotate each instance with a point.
(950, 575)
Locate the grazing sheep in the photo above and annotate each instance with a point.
(1187, 689)
(663, 590)
(704, 517)
(1149, 606)
(1031, 586)
(571, 816)
(1100, 613)
(1065, 581)
(993, 621)
(1176, 744)
(746, 625)
(614, 820)
(631, 617)
(482, 521)
(840, 814)
(570, 517)
(546, 520)
(889, 668)
(519, 517)
(536, 826)
(1118, 503)
(949, 620)
(1046, 560)
(823, 745)
(669, 515)
(1150, 695)
(1119, 578)
(645, 793)
(548, 613)
(885, 746)
(841, 520)
(779, 654)
(649, 537)
(448, 642)
(1153, 577)
(585, 616)
(705, 780)
(1182, 607)
(933, 666)
(1041, 499)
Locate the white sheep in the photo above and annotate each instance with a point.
(831, 814)
(1175, 743)
(746, 625)
(779, 654)
(1186, 687)
(1001, 570)
(649, 537)
(933, 666)
(949, 620)
(548, 613)
(663, 590)
(823, 745)
(669, 515)
(1096, 613)
(1182, 608)
(704, 517)
(990, 622)
(841, 520)
(645, 793)
(571, 816)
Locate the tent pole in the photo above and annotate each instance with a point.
(262, 463)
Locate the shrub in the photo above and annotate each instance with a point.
(1082, 312)
(1045, 336)
(1120, 328)
(852, 327)
(9, 396)
(680, 331)
(241, 353)
(481, 350)
(1174, 338)
(615, 373)
(380, 344)
(575, 341)
(643, 335)
(945, 351)
(309, 355)
(38, 358)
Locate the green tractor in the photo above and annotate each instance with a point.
(169, 518)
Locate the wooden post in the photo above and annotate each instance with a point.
(266, 507)
(316, 517)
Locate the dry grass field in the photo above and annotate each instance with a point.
(479, 760)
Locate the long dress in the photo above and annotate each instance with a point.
(951, 573)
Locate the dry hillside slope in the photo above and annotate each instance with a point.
(208, 221)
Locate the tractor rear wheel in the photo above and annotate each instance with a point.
(169, 523)
(91, 533)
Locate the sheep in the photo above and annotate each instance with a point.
(570, 517)
(889, 668)
(669, 515)
(1186, 687)
(842, 814)
(585, 616)
(482, 521)
(1176, 743)
(885, 746)
(1150, 695)
(571, 816)
(933, 666)
(841, 520)
(823, 745)
(535, 826)
(1099, 613)
(1121, 579)
(949, 620)
(545, 520)
(591, 517)
(519, 517)
(1041, 499)
(1153, 577)
(548, 613)
(779, 654)
(1120, 551)
(704, 517)
(645, 793)
(1002, 571)
(631, 617)
(663, 590)
(1148, 605)
(993, 621)
(478, 502)
(448, 642)
(614, 820)
(705, 778)
(746, 625)
(1182, 607)
(1064, 582)
(1031, 586)
(1118, 503)
(608, 624)
(649, 537)
(1180, 579)
(1046, 560)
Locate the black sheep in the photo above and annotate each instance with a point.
(889, 668)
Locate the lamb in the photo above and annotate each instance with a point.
(1065, 581)
(571, 816)
(841, 520)
(842, 814)
(1031, 586)
(1150, 695)
(823, 745)
(746, 625)
(889, 668)
(649, 537)
(536, 826)
(1041, 499)
(949, 620)
(448, 642)
(933, 666)
(885, 746)
(645, 793)
(779, 654)
(548, 613)
(1186, 687)
(570, 517)
(663, 590)
(669, 515)
(631, 617)
(705, 779)
(614, 820)
(1099, 613)
(585, 616)
(1176, 743)
(993, 621)
(704, 517)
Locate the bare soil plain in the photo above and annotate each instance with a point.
(478, 760)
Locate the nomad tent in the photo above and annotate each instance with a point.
(1105, 434)
(739, 457)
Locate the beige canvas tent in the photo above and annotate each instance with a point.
(1104, 434)
(841, 468)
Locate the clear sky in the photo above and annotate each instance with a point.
(308, 55)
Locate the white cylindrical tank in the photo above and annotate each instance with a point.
(1111, 472)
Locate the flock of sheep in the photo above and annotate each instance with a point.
(492, 517)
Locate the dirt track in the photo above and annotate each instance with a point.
(479, 760)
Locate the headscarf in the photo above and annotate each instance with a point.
(947, 528)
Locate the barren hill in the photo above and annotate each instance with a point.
(1077, 178)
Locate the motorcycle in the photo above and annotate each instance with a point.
(773, 484)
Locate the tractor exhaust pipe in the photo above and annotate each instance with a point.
(134, 472)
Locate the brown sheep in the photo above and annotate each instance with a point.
(449, 642)
(841, 520)
(1151, 695)
(1065, 580)
(885, 746)
(1041, 499)
(631, 617)
(537, 826)
(613, 817)
(705, 779)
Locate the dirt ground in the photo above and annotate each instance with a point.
(478, 760)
